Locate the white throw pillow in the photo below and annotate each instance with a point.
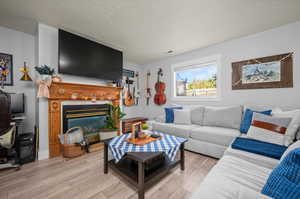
(268, 129)
(197, 115)
(293, 126)
(182, 116)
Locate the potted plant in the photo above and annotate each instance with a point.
(111, 127)
(45, 71)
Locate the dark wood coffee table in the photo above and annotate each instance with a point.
(138, 175)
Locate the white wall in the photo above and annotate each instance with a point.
(21, 46)
(276, 41)
(47, 48)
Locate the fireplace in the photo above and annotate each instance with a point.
(62, 94)
(91, 118)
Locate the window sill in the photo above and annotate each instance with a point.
(207, 99)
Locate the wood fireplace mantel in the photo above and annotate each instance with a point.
(62, 91)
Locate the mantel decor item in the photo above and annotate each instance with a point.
(6, 70)
(45, 71)
(46, 79)
(267, 72)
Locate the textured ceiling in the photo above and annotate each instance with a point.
(146, 29)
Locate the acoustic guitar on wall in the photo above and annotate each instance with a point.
(129, 99)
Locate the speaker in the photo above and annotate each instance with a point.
(26, 148)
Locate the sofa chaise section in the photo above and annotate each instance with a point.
(233, 178)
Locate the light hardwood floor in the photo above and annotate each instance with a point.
(83, 177)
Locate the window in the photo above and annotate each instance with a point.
(197, 79)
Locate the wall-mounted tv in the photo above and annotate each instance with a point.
(82, 57)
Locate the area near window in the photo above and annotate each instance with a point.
(196, 79)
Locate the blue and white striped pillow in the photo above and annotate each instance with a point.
(284, 180)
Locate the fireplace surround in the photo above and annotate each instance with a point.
(60, 92)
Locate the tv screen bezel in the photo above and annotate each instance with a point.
(100, 78)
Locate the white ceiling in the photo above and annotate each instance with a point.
(146, 29)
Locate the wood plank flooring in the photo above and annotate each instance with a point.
(83, 178)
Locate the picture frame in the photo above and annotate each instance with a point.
(6, 62)
(128, 73)
(136, 128)
(266, 72)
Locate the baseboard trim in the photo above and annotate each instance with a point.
(43, 155)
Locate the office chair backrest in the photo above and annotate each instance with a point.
(5, 112)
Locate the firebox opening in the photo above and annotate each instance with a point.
(91, 118)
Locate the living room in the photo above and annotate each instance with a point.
(189, 103)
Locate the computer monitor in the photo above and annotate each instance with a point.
(17, 103)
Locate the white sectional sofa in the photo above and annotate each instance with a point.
(238, 174)
(211, 131)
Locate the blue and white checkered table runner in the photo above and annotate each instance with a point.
(168, 144)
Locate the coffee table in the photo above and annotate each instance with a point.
(138, 176)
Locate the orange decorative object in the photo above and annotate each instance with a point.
(56, 78)
(142, 141)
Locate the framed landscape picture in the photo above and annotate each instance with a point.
(6, 69)
(267, 72)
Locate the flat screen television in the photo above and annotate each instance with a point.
(82, 57)
(17, 104)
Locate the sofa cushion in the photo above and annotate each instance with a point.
(227, 117)
(216, 135)
(257, 159)
(197, 115)
(162, 127)
(174, 129)
(229, 177)
(182, 116)
(183, 130)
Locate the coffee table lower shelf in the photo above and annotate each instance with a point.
(132, 168)
(124, 168)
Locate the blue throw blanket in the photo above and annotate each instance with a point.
(259, 147)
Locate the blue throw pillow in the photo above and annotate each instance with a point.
(247, 119)
(170, 114)
(284, 180)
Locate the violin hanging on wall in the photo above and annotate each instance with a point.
(160, 97)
